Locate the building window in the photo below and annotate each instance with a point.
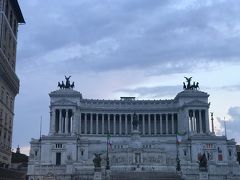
(11, 104)
(5, 34)
(5, 135)
(10, 124)
(7, 99)
(35, 153)
(58, 146)
(82, 153)
(2, 93)
(6, 9)
(220, 155)
(11, 18)
(1, 116)
(208, 146)
(185, 152)
(58, 158)
(6, 117)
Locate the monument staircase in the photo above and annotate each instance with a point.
(144, 176)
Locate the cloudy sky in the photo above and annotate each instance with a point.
(114, 48)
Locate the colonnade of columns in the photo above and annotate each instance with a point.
(121, 124)
(197, 120)
(62, 121)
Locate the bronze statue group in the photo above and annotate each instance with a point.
(67, 85)
(189, 86)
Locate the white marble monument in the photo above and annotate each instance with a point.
(79, 129)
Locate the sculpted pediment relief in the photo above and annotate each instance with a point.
(64, 102)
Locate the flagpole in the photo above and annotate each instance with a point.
(40, 143)
(178, 167)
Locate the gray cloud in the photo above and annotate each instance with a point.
(136, 34)
(107, 38)
(231, 88)
(232, 126)
(235, 87)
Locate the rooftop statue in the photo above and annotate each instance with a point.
(189, 86)
(67, 84)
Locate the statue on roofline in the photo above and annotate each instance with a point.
(189, 86)
(67, 84)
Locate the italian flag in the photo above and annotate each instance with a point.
(179, 137)
(109, 142)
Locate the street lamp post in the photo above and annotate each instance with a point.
(107, 160)
(178, 166)
(77, 143)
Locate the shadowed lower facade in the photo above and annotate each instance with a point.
(136, 136)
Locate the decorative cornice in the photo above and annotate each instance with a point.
(191, 94)
(128, 106)
(208, 137)
(130, 109)
(66, 93)
(196, 103)
(63, 102)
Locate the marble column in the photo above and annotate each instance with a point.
(80, 123)
(91, 123)
(207, 120)
(66, 122)
(194, 121)
(143, 122)
(108, 120)
(126, 130)
(161, 124)
(73, 126)
(96, 123)
(114, 124)
(167, 123)
(85, 119)
(200, 120)
(131, 117)
(155, 124)
(172, 123)
(103, 123)
(191, 121)
(149, 123)
(60, 121)
(120, 124)
(53, 121)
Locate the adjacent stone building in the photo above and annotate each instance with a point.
(139, 136)
(10, 17)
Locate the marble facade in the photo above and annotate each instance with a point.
(79, 128)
